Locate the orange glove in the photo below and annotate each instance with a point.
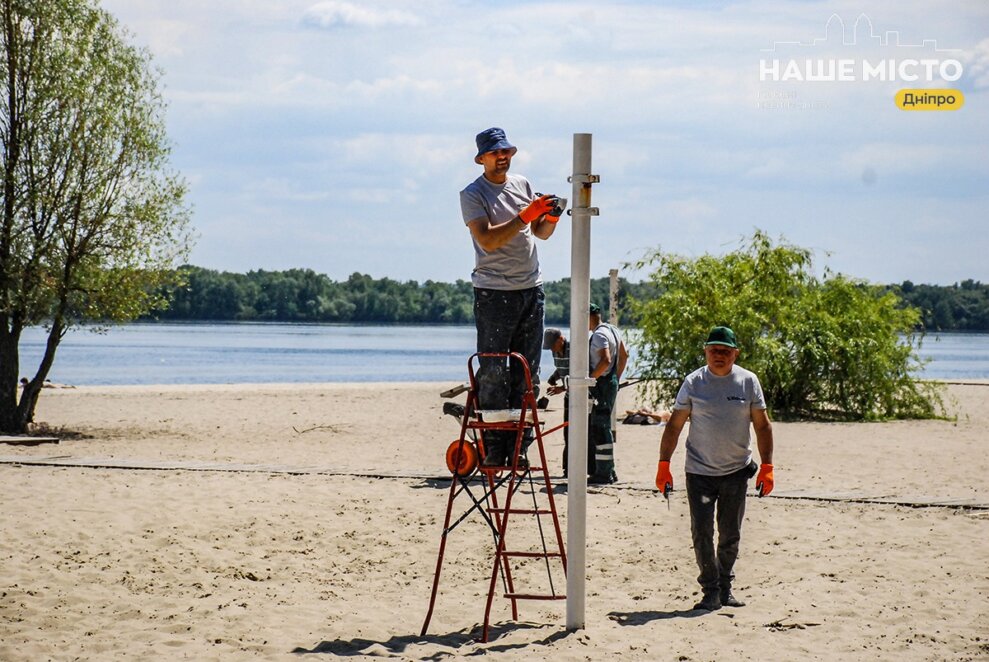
(764, 481)
(559, 204)
(664, 479)
(537, 208)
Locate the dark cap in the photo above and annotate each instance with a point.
(550, 336)
(594, 309)
(491, 139)
(721, 335)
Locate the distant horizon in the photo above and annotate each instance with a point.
(545, 280)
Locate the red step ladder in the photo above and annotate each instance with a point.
(511, 481)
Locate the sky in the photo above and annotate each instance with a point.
(336, 136)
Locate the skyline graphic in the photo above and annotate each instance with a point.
(888, 39)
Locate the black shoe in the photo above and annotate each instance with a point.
(710, 602)
(495, 457)
(602, 480)
(728, 599)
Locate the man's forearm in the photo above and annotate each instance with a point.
(671, 434)
(668, 443)
(543, 229)
(492, 237)
(764, 440)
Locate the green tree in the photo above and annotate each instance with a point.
(834, 348)
(91, 219)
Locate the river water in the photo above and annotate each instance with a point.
(293, 353)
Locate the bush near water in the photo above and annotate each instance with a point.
(831, 348)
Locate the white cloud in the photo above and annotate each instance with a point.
(914, 158)
(427, 152)
(367, 111)
(976, 63)
(334, 13)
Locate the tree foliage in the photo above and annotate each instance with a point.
(308, 296)
(960, 307)
(302, 295)
(92, 219)
(834, 348)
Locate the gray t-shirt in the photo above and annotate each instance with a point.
(718, 441)
(605, 335)
(514, 266)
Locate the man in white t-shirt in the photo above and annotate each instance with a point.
(721, 400)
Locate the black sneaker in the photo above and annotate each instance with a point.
(602, 480)
(710, 602)
(728, 599)
(495, 457)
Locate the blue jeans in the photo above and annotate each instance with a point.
(508, 321)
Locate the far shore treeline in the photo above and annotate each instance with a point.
(302, 295)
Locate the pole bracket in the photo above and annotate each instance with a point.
(590, 211)
(584, 179)
(581, 381)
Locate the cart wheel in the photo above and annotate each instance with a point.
(461, 459)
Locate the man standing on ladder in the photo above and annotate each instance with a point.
(608, 357)
(503, 215)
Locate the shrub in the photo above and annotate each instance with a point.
(832, 348)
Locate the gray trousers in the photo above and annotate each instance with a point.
(721, 499)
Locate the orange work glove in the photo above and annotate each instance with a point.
(553, 215)
(536, 208)
(664, 479)
(764, 481)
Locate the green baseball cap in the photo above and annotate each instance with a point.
(721, 335)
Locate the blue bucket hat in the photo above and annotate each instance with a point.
(491, 139)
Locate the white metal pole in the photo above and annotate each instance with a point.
(613, 319)
(613, 296)
(580, 292)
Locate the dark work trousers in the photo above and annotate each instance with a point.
(600, 437)
(507, 321)
(727, 493)
(566, 440)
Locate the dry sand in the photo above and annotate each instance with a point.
(117, 563)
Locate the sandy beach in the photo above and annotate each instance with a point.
(276, 521)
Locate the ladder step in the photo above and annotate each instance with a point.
(519, 511)
(533, 555)
(531, 596)
(507, 467)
